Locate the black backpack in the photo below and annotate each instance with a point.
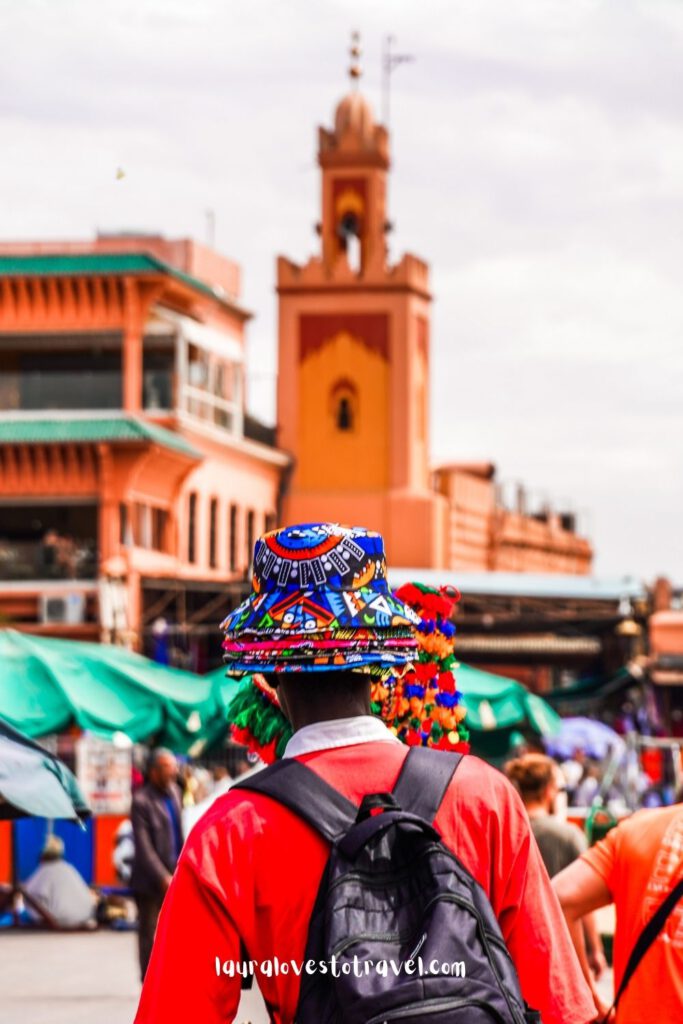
(404, 931)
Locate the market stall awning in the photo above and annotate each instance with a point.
(586, 695)
(48, 685)
(498, 709)
(496, 702)
(34, 783)
(542, 646)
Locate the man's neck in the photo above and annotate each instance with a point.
(332, 715)
(537, 810)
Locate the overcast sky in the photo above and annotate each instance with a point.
(537, 166)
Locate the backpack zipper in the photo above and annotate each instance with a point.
(485, 939)
(375, 881)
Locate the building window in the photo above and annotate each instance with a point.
(87, 379)
(141, 525)
(250, 537)
(192, 528)
(212, 389)
(124, 528)
(47, 540)
(213, 527)
(233, 539)
(344, 414)
(344, 405)
(159, 524)
(158, 368)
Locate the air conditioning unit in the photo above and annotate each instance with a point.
(67, 609)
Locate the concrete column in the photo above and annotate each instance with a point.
(132, 369)
(132, 349)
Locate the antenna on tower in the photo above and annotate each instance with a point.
(390, 61)
(355, 69)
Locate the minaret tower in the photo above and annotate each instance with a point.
(353, 384)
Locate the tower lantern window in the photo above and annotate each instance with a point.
(349, 227)
(349, 238)
(344, 414)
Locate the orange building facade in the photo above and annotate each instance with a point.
(353, 387)
(131, 483)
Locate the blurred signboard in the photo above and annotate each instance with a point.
(103, 771)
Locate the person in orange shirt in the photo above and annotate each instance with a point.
(636, 866)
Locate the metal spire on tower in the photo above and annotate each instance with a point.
(355, 70)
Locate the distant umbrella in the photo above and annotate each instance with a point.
(35, 783)
(596, 739)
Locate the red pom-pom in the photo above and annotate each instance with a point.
(241, 736)
(413, 739)
(426, 670)
(269, 752)
(447, 682)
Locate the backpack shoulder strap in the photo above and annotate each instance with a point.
(302, 790)
(423, 780)
(648, 936)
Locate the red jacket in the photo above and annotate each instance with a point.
(251, 868)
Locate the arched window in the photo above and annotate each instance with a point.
(344, 414)
(344, 406)
(349, 232)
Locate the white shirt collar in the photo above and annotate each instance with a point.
(339, 732)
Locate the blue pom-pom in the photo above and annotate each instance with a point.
(415, 690)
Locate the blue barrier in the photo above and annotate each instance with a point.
(29, 840)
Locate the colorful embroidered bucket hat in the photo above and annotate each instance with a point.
(320, 601)
(422, 706)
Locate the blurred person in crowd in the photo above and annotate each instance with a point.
(195, 783)
(223, 780)
(124, 851)
(157, 833)
(588, 787)
(541, 784)
(137, 777)
(220, 775)
(49, 552)
(637, 866)
(57, 888)
(573, 770)
(240, 766)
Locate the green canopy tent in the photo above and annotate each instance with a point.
(34, 782)
(498, 707)
(48, 685)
